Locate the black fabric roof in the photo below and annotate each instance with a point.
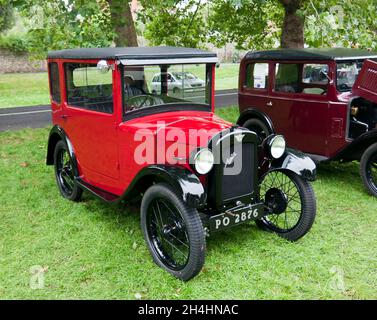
(309, 54)
(130, 53)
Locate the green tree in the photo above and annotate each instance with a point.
(261, 24)
(257, 24)
(60, 24)
(6, 15)
(123, 23)
(175, 22)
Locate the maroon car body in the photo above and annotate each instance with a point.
(322, 100)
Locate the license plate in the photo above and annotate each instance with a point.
(235, 217)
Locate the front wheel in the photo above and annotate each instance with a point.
(173, 232)
(368, 169)
(292, 204)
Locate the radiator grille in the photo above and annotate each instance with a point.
(236, 185)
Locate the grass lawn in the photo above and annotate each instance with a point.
(95, 250)
(29, 89)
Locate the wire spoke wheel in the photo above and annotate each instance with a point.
(279, 192)
(368, 169)
(65, 171)
(168, 233)
(173, 231)
(371, 170)
(291, 203)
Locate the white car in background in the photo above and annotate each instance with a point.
(178, 82)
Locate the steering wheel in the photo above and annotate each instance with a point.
(138, 102)
(343, 86)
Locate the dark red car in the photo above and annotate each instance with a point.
(322, 100)
(122, 138)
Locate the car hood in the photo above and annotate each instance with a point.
(192, 128)
(366, 83)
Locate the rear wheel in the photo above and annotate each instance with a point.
(173, 232)
(368, 169)
(259, 127)
(292, 203)
(64, 173)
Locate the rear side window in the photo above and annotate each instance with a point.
(287, 77)
(257, 76)
(54, 82)
(88, 88)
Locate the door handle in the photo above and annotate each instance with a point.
(269, 104)
(64, 116)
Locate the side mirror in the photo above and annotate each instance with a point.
(102, 66)
(218, 65)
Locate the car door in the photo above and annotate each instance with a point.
(254, 87)
(299, 105)
(90, 121)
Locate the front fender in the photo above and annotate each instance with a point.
(297, 162)
(186, 184)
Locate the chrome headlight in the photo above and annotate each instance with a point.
(277, 146)
(203, 161)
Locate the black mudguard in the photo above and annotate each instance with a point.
(251, 113)
(297, 162)
(182, 180)
(56, 134)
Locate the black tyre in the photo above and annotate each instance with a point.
(368, 169)
(292, 203)
(173, 232)
(259, 127)
(64, 173)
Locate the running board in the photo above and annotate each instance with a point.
(104, 195)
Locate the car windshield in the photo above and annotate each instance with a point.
(167, 85)
(346, 74)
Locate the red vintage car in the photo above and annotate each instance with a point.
(322, 100)
(193, 172)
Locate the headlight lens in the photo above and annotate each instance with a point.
(277, 146)
(203, 161)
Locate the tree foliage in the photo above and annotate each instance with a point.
(6, 15)
(261, 24)
(175, 22)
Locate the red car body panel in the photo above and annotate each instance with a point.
(104, 143)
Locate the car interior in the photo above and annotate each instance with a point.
(87, 90)
(300, 78)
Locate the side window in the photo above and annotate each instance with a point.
(54, 82)
(287, 77)
(88, 88)
(315, 78)
(257, 76)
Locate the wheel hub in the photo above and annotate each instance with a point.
(172, 230)
(276, 200)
